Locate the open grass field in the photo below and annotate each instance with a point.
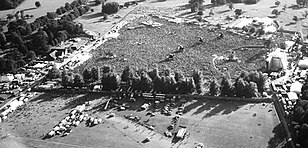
(147, 46)
(217, 124)
(29, 8)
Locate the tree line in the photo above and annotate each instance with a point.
(245, 85)
(40, 35)
(9, 4)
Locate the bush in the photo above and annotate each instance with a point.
(110, 8)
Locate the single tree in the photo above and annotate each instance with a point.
(110, 81)
(3, 40)
(53, 73)
(226, 87)
(37, 4)
(198, 79)
(252, 90)
(239, 87)
(78, 81)
(94, 73)
(87, 75)
(127, 74)
(214, 88)
(110, 7)
(65, 81)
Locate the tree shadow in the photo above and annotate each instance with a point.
(187, 6)
(47, 97)
(91, 16)
(184, 7)
(295, 7)
(165, 60)
(29, 9)
(178, 51)
(207, 106)
(81, 100)
(274, 6)
(223, 11)
(291, 23)
(193, 105)
(185, 13)
(220, 106)
(158, 1)
(278, 138)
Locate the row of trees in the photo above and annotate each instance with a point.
(246, 85)
(14, 60)
(9, 4)
(74, 79)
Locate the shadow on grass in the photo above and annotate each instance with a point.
(214, 107)
(207, 6)
(184, 14)
(94, 15)
(184, 7)
(165, 60)
(220, 106)
(48, 96)
(29, 9)
(274, 6)
(291, 23)
(224, 11)
(295, 7)
(278, 139)
(158, 1)
(81, 100)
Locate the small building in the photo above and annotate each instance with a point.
(58, 52)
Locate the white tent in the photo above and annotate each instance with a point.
(268, 24)
(7, 78)
(277, 61)
(303, 64)
(296, 87)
